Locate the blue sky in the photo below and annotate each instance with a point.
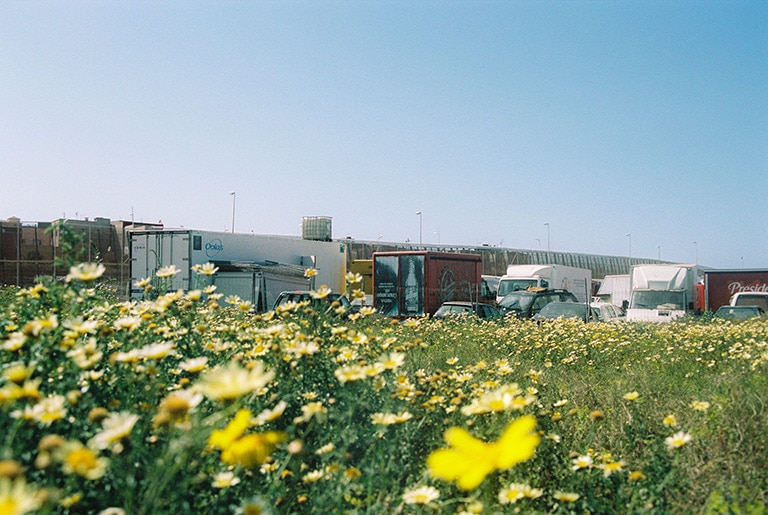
(601, 118)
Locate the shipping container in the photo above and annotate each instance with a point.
(415, 283)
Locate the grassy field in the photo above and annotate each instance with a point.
(190, 403)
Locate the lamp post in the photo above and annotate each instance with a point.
(658, 247)
(234, 197)
(696, 250)
(539, 240)
(419, 213)
(629, 235)
(549, 257)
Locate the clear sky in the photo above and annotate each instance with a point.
(601, 118)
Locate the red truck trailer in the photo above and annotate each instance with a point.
(415, 283)
(720, 285)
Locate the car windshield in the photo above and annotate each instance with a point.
(449, 309)
(519, 301)
(565, 309)
(737, 312)
(507, 286)
(658, 300)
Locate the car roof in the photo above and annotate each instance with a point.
(463, 303)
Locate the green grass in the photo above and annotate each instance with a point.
(98, 356)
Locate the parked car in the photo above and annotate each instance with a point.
(598, 311)
(463, 308)
(527, 303)
(607, 312)
(739, 312)
(302, 295)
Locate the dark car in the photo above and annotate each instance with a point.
(555, 310)
(458, 308)
(739, 312)
(303, 295)
(527, 303)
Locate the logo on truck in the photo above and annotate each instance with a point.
(213, 247)
(737, 286)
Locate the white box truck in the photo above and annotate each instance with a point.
(661, 293)
(519, 277)
(254, 267)
(614, 289)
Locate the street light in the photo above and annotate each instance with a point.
(419, 213)
(539, 240)
(549, 257)
(658, 247)
(234, 197)
(629, 235)
(696, 249)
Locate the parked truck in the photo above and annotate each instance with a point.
(722, 285)
(255, 268)
(520, 277)
(660, 293)
(614, 289)
(415, 283)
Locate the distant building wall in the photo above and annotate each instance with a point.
(496, 259)
(29, 250)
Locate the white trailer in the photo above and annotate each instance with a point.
(254, 267)
(661, 293)
(614, 289)
(520, 277)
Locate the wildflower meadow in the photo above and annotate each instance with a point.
(189, 402)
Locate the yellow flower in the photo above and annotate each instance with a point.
(631, 396)
(194, 365)
(225, 480)
(245, 450)
(233, 381)
(223, 438)
(167, 271)
(16, 497)
(86, 272)
(670, 421)
(582, 462)
(566, 496)
(469, 460)
(269, 415)
(700, 405)
(206, 269)
(636, 476)
(421, 495)
(321, 293)
(117, 426)
(310, 272)
(677, 440)
(353, 278)
(611, 467)
(80, 460)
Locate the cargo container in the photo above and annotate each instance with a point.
(415, 283)
(256, 268)
(551, 277)
(721, 285)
